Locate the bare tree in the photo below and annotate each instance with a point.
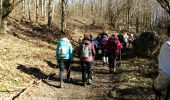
(29, 9)
(36, 10)
(165, 4)
(50, 12)
(63, 16)
(7, 8)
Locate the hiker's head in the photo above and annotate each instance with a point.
(99, 36)
(62, 36)
(123, 31)
(91, 36)
(168, 30)
(86, 36)
(114, 35)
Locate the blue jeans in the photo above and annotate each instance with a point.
(64, 63)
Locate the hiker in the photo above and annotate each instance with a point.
(126, 37)
(86, 54)
(122, 39)
(131, 39)
(101, 41)
(98, 38)
(114, 47)
(80, 39)
(162, 82)
(104, 33)
(94, 42)
(64, 54)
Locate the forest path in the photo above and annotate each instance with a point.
(49, 89)
(29, 72)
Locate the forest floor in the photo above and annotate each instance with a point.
(29, 71)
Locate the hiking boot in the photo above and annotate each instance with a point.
(84, 83)
(68, 79)
(61, 85)
(89, 82)
(114, 70)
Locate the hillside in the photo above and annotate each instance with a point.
(29, 70)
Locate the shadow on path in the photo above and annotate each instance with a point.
(32, 71)
(52, 65)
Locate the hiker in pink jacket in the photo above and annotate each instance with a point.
(86, 54)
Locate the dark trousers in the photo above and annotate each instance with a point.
(86, 70)
(64, 63)
(112, 61)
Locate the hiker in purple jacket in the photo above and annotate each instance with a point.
(86, 54)
(101, 42)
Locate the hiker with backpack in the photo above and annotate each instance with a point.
(122, 39)
(86, 54)
(114, 47)
(101, 41)
(94, 42)
(162, 82)
(64, 54)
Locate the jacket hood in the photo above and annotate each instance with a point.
(65, 39)
(105, 36)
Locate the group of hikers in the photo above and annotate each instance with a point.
(108, 48)
(103, 46)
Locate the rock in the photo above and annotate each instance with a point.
(146, 43)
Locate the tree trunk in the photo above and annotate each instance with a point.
(36, 5)
(137, 24)
(42, 8)
(5, 15)
(1, 9)
(29, 10)
(165, 5)
(50, 11)
(53, 10)
(45, 9)
(82, 13)
(63, 16)
(1, 4)
(7, 8)
(23, 8)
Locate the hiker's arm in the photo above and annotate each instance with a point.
(93, 50)
(79, 49)
(57, 50)
(120, 45)
(71, 54)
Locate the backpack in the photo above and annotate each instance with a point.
(86, 51)
(63, 51)
(115, 46)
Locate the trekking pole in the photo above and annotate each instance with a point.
(120, 58)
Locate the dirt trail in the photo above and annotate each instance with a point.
(25, 61)
(49, 90)
(28, 71)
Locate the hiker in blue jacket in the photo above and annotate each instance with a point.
(64, 54)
